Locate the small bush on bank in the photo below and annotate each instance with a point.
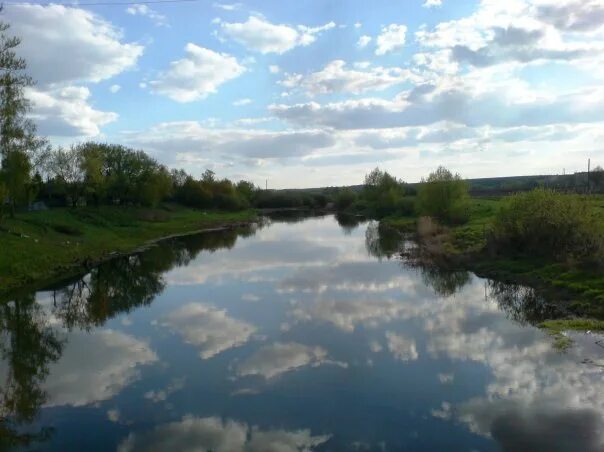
(545, 223)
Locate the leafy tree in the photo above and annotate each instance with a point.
(67, 167)
(444, 196)
(208, 176)
(17, 133)
(15, 175)
(382, 193)
(345, 198)
(597, 177)
(246, 190)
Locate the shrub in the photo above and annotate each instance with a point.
(444, 196)
(345, 198)
(545, 223)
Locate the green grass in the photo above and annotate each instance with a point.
(557, 328)
(582, 288)
(40, 246)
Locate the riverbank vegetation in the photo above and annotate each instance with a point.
(38, 247)
(548, 239)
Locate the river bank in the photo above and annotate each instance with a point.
(577, 289)
(38, 247)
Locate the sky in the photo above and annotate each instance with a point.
(308, 93)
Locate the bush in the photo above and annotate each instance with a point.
(444, 196)
(345, 198)
(548, 224)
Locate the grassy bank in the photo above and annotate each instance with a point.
(580, 289)
(37, 247)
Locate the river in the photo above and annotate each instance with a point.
(297, 334)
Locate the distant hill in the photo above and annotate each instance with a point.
(491, 185)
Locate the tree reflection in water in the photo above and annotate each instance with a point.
(348, 222)
(29, 343)
(382, 242)
(522, 304)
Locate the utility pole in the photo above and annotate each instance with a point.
(588, 171)
(266, 184)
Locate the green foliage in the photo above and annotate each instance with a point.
(444, 196)
(15, 176)
(345, 198)
(549, 224)
(383, 194)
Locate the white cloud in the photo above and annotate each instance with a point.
(228, 6)
(161, 395)
(208, 328)
(432, 3)
(193, 434)
(92, 49)
(524, 32)
(170, 139)
(462, 101)
(65, 111)
(391, 38)
(335, 77)
(265, 37)
(274, 69)
(144, 10)
(80, 378)
(242, 102)
(402, 348)
(197, 75)
(273, 360)
(363, 41)
(114, 88)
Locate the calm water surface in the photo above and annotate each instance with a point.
(297, 335)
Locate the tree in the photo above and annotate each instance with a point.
(444, 196)
(208, 176)
(382, 192)
(597, 177)
(18, 139)
(67, 168)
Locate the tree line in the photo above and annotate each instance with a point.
(87, 173)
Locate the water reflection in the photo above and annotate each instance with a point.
(40, 368)
(214, 433)
(28, 344)
(304, 336)
(348, 222)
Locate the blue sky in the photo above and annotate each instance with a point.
(318, 92)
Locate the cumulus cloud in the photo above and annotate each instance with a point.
(242, 102)
(432, 3)
(460, 103)
(178, 137)
(80, 378)
(273, 360)
(197, 75)
(213, 433)
(335, 77)
(144, 10)
(265, 37)
(208, 328)
(92, 51)
(525, 32)
(402, 348)
(114, 88)
(573, 15)
(363, 41)
(391, 38)
(65, 111)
